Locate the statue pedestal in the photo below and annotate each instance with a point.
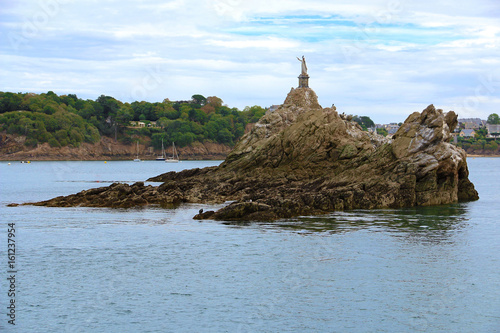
(303, 81)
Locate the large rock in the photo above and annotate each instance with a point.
(303, 159)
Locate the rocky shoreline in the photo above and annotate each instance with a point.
(12, 148)
(303, 159)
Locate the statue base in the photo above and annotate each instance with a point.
(303, 81)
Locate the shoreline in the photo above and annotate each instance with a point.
(481, 155)
(12, 148)
(201, 157)
(102, 160)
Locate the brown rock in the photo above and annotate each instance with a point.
(303, 159)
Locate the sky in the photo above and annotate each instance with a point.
(379, 58)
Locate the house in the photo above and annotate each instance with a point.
(471, 123)
(272, 108)
(493, 131)
(392, 128)
(467, 133)
(135, 124)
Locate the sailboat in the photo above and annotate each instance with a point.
(162, 156)
(137, 159)
(175, 156)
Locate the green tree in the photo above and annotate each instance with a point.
(493, 119)
(124, 115)
(10, 102)
(184, 139)
(50, 107)
(493, 145)
(224, 136)
(254, 113)
(54, 143)
(364, 121)
(382, 131)
(481, 132)
(199, 99)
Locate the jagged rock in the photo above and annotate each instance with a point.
(302, 159)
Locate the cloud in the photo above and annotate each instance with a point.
(381, 58)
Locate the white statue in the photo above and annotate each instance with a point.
(304, 66)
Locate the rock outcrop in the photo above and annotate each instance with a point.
(303, 159)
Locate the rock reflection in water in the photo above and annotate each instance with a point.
(415, 219)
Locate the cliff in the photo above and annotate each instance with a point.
(303, 159)
(12, 148)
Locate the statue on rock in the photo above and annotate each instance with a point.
(303, 77)
(304, 66)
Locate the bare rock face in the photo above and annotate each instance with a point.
(441, 168)
(303, 159)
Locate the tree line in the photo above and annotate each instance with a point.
(69, 120)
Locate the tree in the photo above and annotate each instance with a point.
(224, 136)
(364, 121)
(214, 101)
(481, 132)
(492, 146)
(10, 102)
(382, 131)
(109, 104)
(124, 115)
(198, 116)
(199, 99)
(254, 113)
(493, 119)
(367, 121)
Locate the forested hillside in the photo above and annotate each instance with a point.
(67, 120)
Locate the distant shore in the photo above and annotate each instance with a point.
(12, 148)
(481, 155)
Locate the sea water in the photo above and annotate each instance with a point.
(431, 269)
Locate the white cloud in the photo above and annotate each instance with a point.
(380, 58)
(266, 43)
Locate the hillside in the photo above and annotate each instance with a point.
(48, 126)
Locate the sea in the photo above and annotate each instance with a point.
(425, 269)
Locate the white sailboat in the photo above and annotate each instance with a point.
(175, 157)
(137, 159)
(162, 156)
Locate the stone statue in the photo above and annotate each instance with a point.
(304, 66)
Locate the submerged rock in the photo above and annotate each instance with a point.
(303, 159)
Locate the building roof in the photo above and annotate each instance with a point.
(467, 132)
(493, 128)
(476, 121)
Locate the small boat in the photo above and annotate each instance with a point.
(175, 157)
(137, 159)
(162, 156)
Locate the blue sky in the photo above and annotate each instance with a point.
(381, 58)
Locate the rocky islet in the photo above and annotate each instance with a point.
(303, 159)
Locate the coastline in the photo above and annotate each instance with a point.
(481, 155)
(12, 148)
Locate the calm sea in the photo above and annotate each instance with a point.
(434, 269)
